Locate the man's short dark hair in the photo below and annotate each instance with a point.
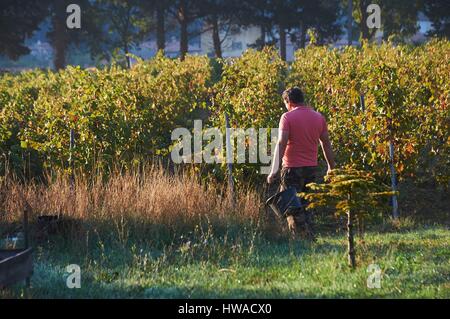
(294, 95)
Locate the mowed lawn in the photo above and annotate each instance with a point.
(414, 263)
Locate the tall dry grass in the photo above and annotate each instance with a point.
(130, 200)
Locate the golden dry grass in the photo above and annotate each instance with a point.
(151, 197)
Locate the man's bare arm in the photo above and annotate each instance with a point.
(327, 150)
(280, 148)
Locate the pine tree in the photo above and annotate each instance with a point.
(353, 193)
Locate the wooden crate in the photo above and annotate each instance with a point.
(15, 265)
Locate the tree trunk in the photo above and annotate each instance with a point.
(282, 33)
(60, 36)
(160, 30)
(350, 22)
(350, 240)
(302, 35)
(303, 39)
(183, 20)
(366, 33)
(216, 37)
(263, 36)
(127, 58)
(361, 227)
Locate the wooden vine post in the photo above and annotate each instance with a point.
(350, 238)
(395, 212)
(229, 157)
(71, 161)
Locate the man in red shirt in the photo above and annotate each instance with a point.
(301, 130)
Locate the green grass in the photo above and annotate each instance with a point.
(415, 263)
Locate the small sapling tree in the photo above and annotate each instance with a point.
(353, 193)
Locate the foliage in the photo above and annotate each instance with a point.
(124, 26)
(406, 101)
(348, 190)
(398, 18)
(250, 93)
(351, 192)
(118, 115)
(250, 89)
(19, 19)
(437, 12)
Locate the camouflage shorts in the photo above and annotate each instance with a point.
(297, 177)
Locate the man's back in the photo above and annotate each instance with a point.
(305, 126)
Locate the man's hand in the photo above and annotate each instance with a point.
(271, 178)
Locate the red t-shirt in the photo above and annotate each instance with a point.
(305, 126)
